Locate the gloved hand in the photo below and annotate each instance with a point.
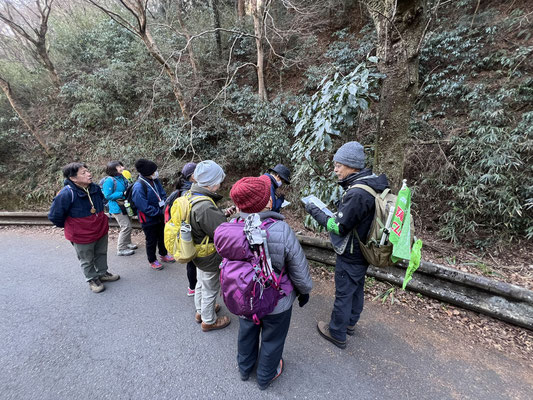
(315, 212)
(303, 299)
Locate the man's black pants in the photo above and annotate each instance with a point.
(349, 296)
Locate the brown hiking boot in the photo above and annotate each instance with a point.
(109, 277)
(350, 330)
(323, 329)
(96, 286)
(220, 323)
(198, 316)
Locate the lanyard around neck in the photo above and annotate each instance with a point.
(89, 195)
(152, 187)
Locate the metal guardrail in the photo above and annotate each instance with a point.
(500, 300)
(40, 218)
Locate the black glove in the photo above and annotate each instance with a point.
(303, 299)
(315, 212)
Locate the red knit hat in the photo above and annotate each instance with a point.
(251, 194)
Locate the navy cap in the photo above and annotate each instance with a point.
(283, 172)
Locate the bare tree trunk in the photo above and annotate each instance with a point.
(154, 51)
(400, 26)
(43, 55)
(190, 48)
(258, 15)
(137, 8)
(241, 9)
(216, 24)
(19, 110)
(34, 36)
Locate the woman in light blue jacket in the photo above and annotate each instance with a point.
(113, 188)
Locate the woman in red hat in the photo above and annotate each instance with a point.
(264, 343)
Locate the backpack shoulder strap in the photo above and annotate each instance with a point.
(114, 183)
(144, 185)
(366, 188)
(194, 199)
(71, 193)
(267, 223)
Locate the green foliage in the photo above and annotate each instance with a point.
(342, 55)
(111, 88)
(331, 112)
(494, 181)
(387, 294)
(475, 102)
(474, 95)
(251, 134)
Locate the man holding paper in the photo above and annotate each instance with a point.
(355, 214)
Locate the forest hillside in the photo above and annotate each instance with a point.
(439, 93)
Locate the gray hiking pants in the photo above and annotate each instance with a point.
(205, 295)
(93, 258)
(124, 236)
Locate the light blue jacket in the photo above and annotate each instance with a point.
(118, 192)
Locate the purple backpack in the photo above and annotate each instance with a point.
(249, 285)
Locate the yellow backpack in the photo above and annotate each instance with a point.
(178, 238)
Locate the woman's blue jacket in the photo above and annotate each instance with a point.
(113, 189)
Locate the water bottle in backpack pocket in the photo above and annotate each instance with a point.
(178, 235)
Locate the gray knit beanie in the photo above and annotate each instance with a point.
(351, 154)
(208, 173)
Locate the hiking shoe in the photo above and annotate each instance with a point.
(198, 316)
(156, 265)
(190, 292)
(96, 286)
(126, 252)
(350, 330)
(323, 329)
(109, 277)
(168, 258)
(220, 323)
(244, 377)
(279, 371)
(132, 246)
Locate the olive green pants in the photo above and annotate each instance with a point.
(93, 258)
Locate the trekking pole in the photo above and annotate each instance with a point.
(386, 229)
(267, 254)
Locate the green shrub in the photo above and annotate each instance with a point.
(331, 113)
(493, 190)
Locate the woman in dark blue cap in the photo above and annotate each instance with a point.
(278, 175)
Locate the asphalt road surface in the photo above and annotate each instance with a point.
(138, 340)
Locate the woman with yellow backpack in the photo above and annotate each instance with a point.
(183, 185)
(205, 217)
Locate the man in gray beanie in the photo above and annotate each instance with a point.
(351, 222)
(208, 173)
(205, 218)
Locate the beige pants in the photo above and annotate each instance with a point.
(124, 237)
(205, 294)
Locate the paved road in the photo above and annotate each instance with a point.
(138, 340)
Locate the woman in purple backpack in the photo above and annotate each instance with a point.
(264, 343)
